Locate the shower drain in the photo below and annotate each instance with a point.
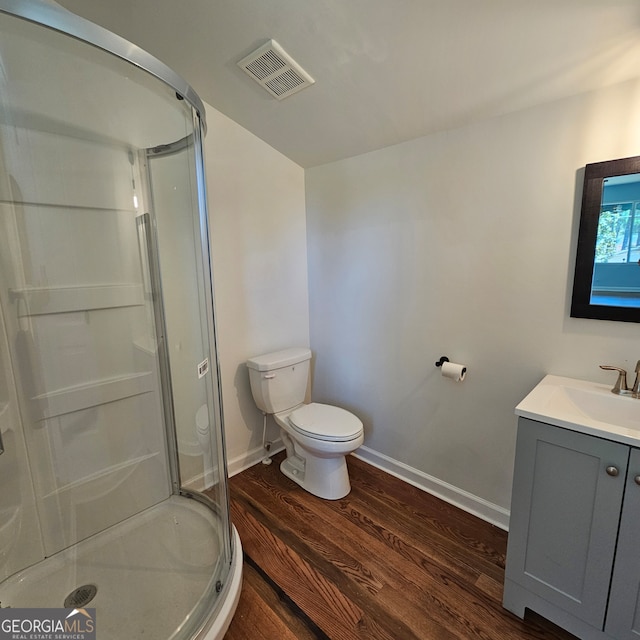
(81, 596)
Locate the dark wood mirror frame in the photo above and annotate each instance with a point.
(581, 306)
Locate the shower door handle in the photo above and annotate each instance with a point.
(1, 444)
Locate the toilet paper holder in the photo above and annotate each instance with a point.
(452, 370)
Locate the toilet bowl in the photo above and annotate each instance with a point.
(317, 436)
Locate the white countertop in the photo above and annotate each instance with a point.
(587, 407)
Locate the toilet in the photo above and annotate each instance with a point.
(317, 436)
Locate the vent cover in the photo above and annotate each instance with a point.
(272, 68)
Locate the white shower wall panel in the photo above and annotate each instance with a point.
(99, 500)
(20, 540)
(80, 327)
(78, 348)
(60, 248)
(71, 172)
(81, 444)
(20, 537)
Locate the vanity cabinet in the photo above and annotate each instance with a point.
(574, 536)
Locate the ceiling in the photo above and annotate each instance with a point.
(386, 71)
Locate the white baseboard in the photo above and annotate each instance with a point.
(466, 501)
(255, 456)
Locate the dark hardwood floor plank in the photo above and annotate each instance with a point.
(451, 599)
(387, 561)
(489, 587)
(462, 539)
(335, 551)
(439, 511)
(310, 536)
(412, 575)
(263, 616)
(334, 613)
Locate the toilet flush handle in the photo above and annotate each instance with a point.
(269, 376)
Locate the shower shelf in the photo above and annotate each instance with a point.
(63, 401)
(35, 301)
(103, 481)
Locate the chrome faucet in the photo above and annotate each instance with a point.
(620, 387)
(635, 390)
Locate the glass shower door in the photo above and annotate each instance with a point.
(187, 326)
(109, 398)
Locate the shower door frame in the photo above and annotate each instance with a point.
(59, 19)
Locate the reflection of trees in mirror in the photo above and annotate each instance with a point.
(618, 238)
(607, 233)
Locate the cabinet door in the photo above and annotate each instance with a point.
(564, 517)
(623, 615)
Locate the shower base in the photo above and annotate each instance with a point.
(150, 571)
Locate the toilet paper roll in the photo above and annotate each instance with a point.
(454, 371)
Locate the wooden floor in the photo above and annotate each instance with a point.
(388, 561)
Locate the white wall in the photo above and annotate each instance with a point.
(259, 255)
(460, 244)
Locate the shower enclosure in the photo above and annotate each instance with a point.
(113, 488)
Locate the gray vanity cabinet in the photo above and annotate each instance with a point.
(566, 510)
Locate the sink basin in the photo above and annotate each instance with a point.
(588, 407)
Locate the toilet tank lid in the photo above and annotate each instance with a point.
(279, 359)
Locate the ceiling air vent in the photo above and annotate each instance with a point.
(271, 67)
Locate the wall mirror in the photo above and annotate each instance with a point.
(607, 276)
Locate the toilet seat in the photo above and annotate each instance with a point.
(325, 422)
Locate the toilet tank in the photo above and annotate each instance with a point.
(279, 379)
